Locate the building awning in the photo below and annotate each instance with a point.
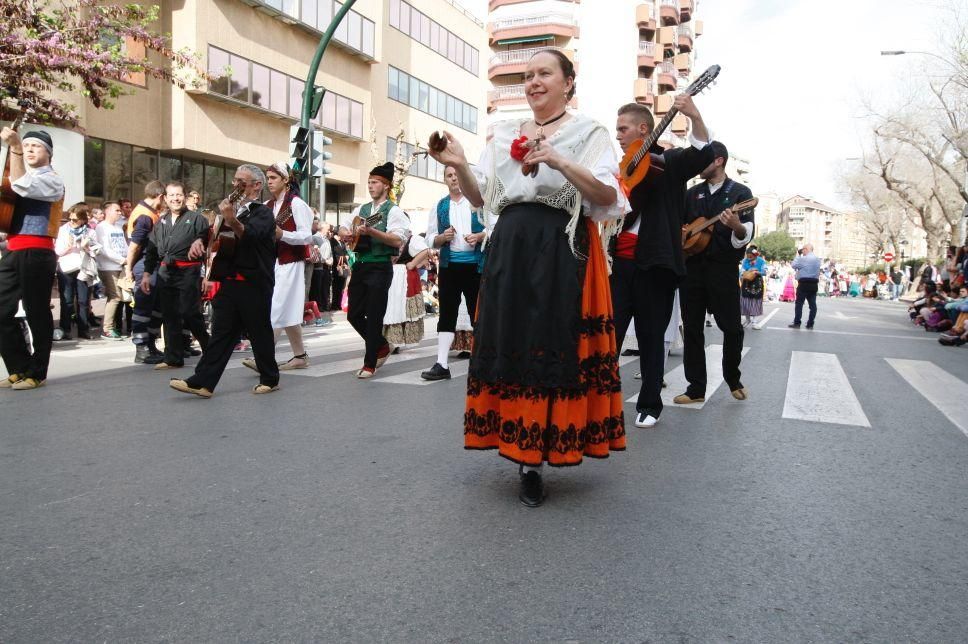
(515, 41)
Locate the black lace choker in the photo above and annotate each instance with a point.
(550, 121)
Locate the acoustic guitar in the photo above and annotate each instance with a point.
(696, 235)
(222, 243)
(639, 164)
(359, 222)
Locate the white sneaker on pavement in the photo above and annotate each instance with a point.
(642, 419)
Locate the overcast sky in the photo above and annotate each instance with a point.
(795, 75)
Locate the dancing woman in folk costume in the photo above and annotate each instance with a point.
(294, 218)
(543, 384)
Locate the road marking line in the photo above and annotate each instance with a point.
(457, 369)
(818, 390)
(942, 390)
(676, 382)
(866, 335)
(353, 364)
(769, 316)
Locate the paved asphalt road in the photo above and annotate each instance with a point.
(345, 511)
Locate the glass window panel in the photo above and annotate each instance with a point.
(214, 183)
(117, 171)
(229, 180)
(405, 17)
(434, 36)
(414, 92)
(278, 91)
(404, 91)
(424, 104)
(295, 97)
(442, 105)
(94, 169)
(341, 28)
(218, 60)
(473, 119)
(325, 14)
(171, 170)
(355, 29)
(415, 24)
(460, 53)
(193, 176)
(468, 57)
(393, 83)
(342, 114)
(275, 4)
(425, 30)
(144, 166)
(391, 148)
(451, 46)
(260, 85)
(239, 88)
(422, 166)
(432, 99)
(451, 110)
(395, 13)
(308, 12)
(290, 7)
(369, 38)
(475, 61)
(356, 119)
(329, 111)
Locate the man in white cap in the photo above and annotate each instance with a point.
(27, 269)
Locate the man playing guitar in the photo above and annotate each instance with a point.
(648, 256)
(27, 269)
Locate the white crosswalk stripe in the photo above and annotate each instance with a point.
(939, 387)
(676, 382)
(818, 390)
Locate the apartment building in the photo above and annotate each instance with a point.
(394, 66)
(623, 50)
(835, 235)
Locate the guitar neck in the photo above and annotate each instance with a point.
(656, 133)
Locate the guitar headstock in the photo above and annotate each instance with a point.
(705, 80)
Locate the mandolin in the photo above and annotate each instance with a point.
(696, 234)
(640, 164)
(222, 242)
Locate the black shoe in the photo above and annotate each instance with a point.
(532, 489)
(436, 372)
(192, 352)
(793, 326)
(463, 355)
(630, 352)
(153, 350)
(143, 355)
(809, 326)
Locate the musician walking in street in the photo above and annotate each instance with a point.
(711, 282)
(244, 300)
(644, 283)
(294, 218)
(27, 268)
(175, 250)
(380, 241)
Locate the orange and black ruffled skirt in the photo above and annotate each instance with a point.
(543, 384)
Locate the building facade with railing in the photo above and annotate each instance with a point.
(393, 66)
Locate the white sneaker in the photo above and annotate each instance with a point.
(643, 419)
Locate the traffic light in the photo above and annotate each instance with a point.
(299, 145)
(320, 155)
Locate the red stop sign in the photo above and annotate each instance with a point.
(888, 257)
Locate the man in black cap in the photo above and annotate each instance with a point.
(381, 236)
(27, 270)
(712, 277)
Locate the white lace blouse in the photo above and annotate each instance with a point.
(581, 139)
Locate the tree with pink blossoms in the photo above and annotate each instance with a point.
(54, 48)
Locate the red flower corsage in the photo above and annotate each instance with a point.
(519, 148)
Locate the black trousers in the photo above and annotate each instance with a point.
(621, 281)
(146, 316)
(339, 283)
(454, 281)
(28, 276)
(239, 306)
(653, 295)
(319, 288)
(714, 287)
(368, 304)
(180, 295)
(806, 290)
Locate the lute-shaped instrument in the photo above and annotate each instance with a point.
(696, 234)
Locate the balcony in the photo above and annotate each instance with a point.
(646, 53)
(644, 17)
(532, 27)
(668, 76)
(680, 125)
(668, 38)
(685, 38)
(686, 7)
(663, 103)
(643, 91)
(669, 12)
(494, 4)
(698, 24)
(514, 61)
(683, 64)
(507, 95)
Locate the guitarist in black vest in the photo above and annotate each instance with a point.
(712, 277)
(244, 298)
(648, 267)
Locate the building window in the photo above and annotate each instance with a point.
(422, 28)
(423, 166)
(419, 95)
(271, 90)
(355, 31)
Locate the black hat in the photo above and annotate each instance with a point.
(41, 136)
(719, 150)
(385, 171)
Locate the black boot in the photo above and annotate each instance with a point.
(532, 489)
(144, 355)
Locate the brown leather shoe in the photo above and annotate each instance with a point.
(185, 388)
(27, 383)
(10, 381)
(162, 366)
(740, 394)
(686, 399)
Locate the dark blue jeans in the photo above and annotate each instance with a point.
(75, 301)
(806, 290)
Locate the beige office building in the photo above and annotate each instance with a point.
(393, 66)
(835, 235)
